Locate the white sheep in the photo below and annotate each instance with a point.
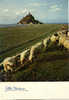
(9, 63)
(54, 38)
(59, 33)
(62, 39)
(66, 44)
(34, 50)
(24, 55)
(46, 42)
(63, 32)
(68, 34)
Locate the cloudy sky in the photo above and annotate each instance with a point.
(48, 11)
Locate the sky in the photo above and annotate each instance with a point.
(47, 11)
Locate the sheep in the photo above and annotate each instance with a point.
(59, 33)
(46, 41)
(9, 63)
(54, 38)
(34, 50)
(68, 34)
(61, 40)
(66, 44)
(63, 32)
(24, 55)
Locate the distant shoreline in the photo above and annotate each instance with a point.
(14, 25)
(10, 25)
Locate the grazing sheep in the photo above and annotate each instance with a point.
(24, 55)
(46, 41)
(62, 39)
(66, 44)
(54, 38)
(35, 49)
(9, 63)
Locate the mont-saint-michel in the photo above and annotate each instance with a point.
(29, 19)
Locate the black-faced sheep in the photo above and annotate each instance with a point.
(54, 38)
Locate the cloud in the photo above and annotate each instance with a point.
(25, 11)
(5, 10)
(17, 13)
(11, 14)
(0, 8)
(55, 8)
(21, 11)
(38, 4)
(58, 9)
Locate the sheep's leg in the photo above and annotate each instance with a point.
(9, 68)
(30, 59)
(5, 68)
(21, 61)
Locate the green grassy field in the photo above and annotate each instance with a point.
(50, 65)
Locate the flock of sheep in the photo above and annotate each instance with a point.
(61, 37)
